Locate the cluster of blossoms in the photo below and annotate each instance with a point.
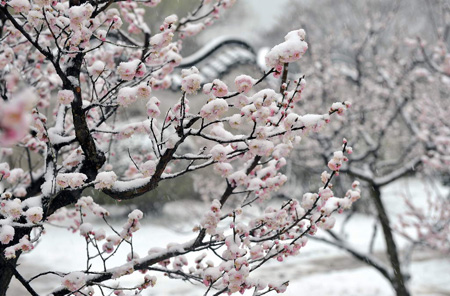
(6, 234)
(153, 107)
(212, 218)
(74, 280)
(277, 233)
(73, 180)
(87, 202)
(65, 97)
(191, 80)
(336, 162)
(290, 50)
(132, 224)
(244, 83)
(131, 70)
(214, 109)
(83, 206)
(129, 95)
(24, 245)
(105, 180)
(13, 210)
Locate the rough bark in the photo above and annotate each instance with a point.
(6, 274)
(7, 267)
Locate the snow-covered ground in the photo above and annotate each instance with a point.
(319, 270)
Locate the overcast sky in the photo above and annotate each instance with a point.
(258, 16)
(267, 10)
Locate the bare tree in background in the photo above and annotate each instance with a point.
(397, 73)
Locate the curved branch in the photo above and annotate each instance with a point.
(358, 255)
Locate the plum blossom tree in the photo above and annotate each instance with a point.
(69, 67)
(400, 85)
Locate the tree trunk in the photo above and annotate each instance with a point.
(6, 273)
(398, 280)
(8, 267)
